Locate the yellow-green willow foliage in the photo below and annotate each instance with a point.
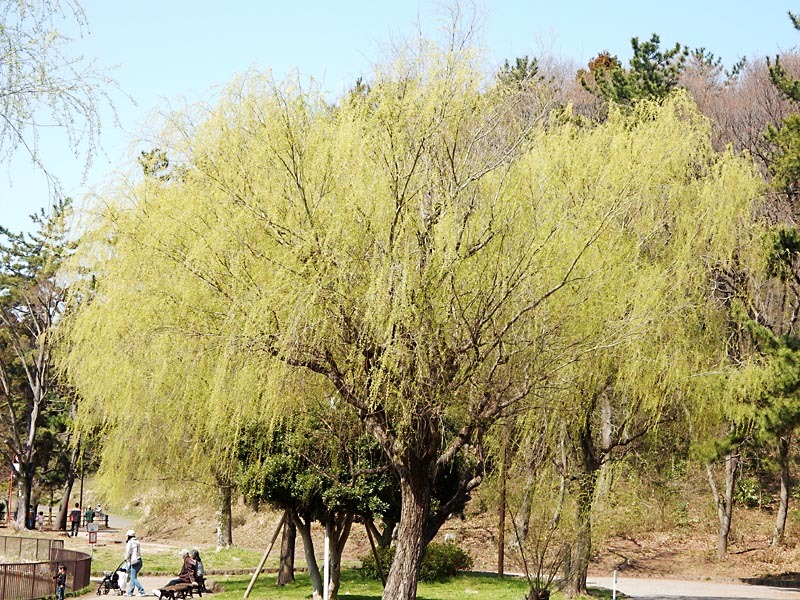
(679, 215)
(419, 251)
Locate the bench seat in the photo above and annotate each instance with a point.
(180, 590)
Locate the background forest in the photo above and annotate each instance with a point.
(571, 292)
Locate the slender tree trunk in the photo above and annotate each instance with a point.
(501, 513)
(382, 538)
(286, 569)
(63, 506)
(401, 583)
(724, 502)
(604, 474)
(224, 515)
(339, 532)
(783, 502)
(304, 528)
(524, 515)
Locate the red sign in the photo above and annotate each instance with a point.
(92, 537)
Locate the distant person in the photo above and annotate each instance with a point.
(199, 571)
(75, 520)
(99, 510)
(40, 521)
(133, 556)
(60, 579)
(88, 517)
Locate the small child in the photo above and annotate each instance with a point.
(40, 521)
(61, 582)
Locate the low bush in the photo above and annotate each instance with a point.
(441, 561)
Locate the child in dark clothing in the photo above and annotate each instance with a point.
(61, 582)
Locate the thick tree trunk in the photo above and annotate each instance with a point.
(288, 539)
(589, 463)
(304, 529)
(724, 502)
(783, 501)
(224, 515)
(24, 483)
(582, 546)
(415, 489)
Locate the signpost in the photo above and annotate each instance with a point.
(92, 529)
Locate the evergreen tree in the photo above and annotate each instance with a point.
(32, 301)
(652, 72)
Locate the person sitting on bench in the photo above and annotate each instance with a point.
(199, 571)
(187, 574)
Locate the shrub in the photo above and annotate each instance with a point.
(441, 561)
(747, 492)
(369, 570)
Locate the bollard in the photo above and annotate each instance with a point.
(614, 586)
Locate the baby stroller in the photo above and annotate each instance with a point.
(114, 580)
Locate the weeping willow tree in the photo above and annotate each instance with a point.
(421, 251)
(648, 326)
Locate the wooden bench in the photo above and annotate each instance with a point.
(180, 590)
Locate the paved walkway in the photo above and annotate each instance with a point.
(117, 526)
(673, 589)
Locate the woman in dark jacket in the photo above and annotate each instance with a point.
(188, 570)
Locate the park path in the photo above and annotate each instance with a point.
(117, 526)
(674, 589)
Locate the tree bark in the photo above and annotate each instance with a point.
(63, 506)
(382, 538)
(783, 501)
(501, 512)
(304, 528)
(724, 502)
(288, 539)
(415, 489)
(522, 521)
(339, 532)
(582, 546)
(24, 484)
(224, 515)
(589, 463)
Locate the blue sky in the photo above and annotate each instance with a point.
(168, 50)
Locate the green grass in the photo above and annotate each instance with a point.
(483, 587)
(167, 562)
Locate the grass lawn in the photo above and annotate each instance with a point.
(169, 562)
(485, 587)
